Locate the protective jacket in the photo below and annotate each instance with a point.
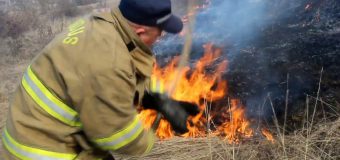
(87, 81)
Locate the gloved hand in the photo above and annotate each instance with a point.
(176, 112)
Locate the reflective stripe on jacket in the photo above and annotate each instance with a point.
(47, 101)
(156, 85)
(30, 153)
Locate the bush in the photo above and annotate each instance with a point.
(15, 46)
(15, 23)
(66, 8)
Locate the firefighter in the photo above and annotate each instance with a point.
(78, 98)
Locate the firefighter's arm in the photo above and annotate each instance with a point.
(109, 118)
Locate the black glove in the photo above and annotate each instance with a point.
(176, 112)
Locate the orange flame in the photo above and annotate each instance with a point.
(238, 126)
(194, 85)
(268, 135)
(164, 129)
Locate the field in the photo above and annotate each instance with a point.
(309, 140)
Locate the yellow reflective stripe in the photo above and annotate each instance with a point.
(153, 84)
(28, 153)
(161, 87)
(121, 138)
(156, 85)
(41, 103)
(47, 101)
(151, 141)
(49, 94)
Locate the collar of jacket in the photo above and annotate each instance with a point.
(142, 56)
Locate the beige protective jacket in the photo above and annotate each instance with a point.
(87, 81)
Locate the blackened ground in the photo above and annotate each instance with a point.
(300, 45)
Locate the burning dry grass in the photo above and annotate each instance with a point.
(236, 139)
(318, 141)
(202, 84)
(323, 143)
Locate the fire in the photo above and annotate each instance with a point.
(238, 126)
(164, 129)
(268, 135)
(201, 84)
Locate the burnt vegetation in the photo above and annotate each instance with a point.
(297, 54)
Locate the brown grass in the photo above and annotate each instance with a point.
(322, 141)
(324, 144)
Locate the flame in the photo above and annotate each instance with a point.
(201, 84)
(164, 129)
(238, 126)
(267, 134)
(192, 89)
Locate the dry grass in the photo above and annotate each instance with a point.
(323, 142)
(312, 141)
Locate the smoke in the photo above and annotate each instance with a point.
(234, 25)
(264, 40)
(230, 21)
(223, 22)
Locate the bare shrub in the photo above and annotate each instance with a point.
(16, 22)
(45, 6)
(15, 45)
(66, 8)
(13, 24)
(84, 2)
(2, 24)
(45, 34)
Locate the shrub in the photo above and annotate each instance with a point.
(15, 23)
